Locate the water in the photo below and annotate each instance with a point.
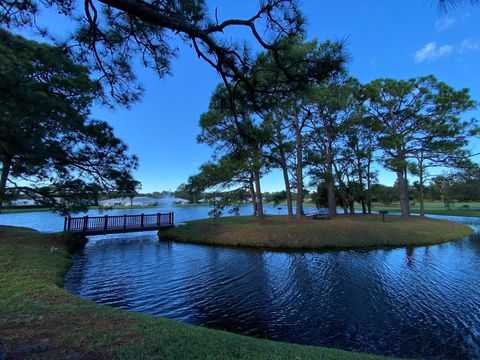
(419, 302)
(51, 222)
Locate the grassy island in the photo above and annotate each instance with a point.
(39, 319)
(344, 231)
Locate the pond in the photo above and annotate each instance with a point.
(419, 302)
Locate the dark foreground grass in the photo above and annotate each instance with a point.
(344, 231)
(39, 319)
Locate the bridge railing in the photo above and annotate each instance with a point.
(118, 223)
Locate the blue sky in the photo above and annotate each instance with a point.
(397, 39)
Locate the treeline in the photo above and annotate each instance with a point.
(326, 130)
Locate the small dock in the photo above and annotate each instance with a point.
(100, 225)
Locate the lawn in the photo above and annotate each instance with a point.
(39, 319)
(436, 208)
(344, 231)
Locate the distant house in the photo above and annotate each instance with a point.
(22, 202)
(180, 201)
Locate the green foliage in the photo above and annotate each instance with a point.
(419, 120)
(384, 194)
(418, 115)
(107, 34)
(276, 197)
(47, 140)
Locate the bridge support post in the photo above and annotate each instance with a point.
(105, 224)
(141, 223)
(85, 223)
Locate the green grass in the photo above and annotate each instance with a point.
(35, 310)
(436, 208)
(344, 231)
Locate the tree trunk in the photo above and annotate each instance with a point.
(403, 190)
(369, 184)
(341, 190)
(299, 170)
(252, 194)
(332, 205)
(421, 192)
(360, 180)
(351, 203)
(283, 165)
(286, 179)
(258, 191)
(6, 166)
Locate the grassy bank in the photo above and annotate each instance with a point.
(345, 231)
(39, 319)
(436, 208)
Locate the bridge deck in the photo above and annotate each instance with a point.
(97, 225)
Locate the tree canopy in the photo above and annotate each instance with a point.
(108, 32)
(50, 148)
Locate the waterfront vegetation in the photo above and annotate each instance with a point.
(38, 317)
(469, 209)
(343, 231)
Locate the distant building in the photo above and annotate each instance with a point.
(136, 201)
(180, 201)
(22, 202)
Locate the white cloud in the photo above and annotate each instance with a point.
(445, 23)
(469, 45)
(432, 52)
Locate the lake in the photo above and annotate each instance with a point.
(419, 302)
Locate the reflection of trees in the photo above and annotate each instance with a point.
(107, 270)
(386, 301)
(231, 292)
(410, 257)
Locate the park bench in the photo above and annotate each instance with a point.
(319, 215)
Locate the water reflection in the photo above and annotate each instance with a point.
(412, 302)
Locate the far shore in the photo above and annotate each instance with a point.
(431, 208)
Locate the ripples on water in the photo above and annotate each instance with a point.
(413, 302)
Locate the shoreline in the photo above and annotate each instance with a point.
(392, 209)
(41, 318)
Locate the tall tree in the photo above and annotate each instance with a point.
(281, 146)
(336, 102)
(311, 63)
(412, 116)
(49, 148)
(239, 137)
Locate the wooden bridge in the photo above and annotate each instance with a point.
(99, 225)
